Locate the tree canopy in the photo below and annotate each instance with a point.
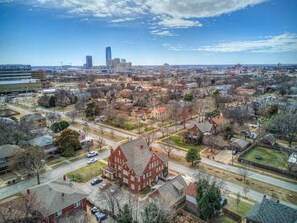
(193, 155)
(68, 142)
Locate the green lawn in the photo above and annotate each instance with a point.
(270, 157)
(86, 173)
(177, 140)
(223, 219)
(147, 129)
(242, 208)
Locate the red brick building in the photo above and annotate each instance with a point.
(135, 164)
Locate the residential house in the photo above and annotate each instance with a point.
(191, 194)
(198, 129)
(135, 164)
(218, 123)
(268, 139)
(44, 142)
(271, 211)
(58, 199)
(160, 113)
(35, 120)
(239, 144)
(171, 193)
(6, 152)
(292, 160)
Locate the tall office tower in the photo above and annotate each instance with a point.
(108, 55)
(89, 62)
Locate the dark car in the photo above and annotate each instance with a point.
(94, 210)
(234, 152)
(100, 216)
(96, 181)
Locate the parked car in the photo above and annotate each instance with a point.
(94, 210)
(223, 201)
(234, 151)
(85, 124)
(92, 153)
(96, 181)
(100, 216)
(93, 160)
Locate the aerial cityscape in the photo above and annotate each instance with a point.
(145, 111)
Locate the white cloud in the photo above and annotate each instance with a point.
(270, 44)
(281, 43)
(162, 13)
(162, 33)
(178, 23)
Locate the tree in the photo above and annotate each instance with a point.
(168, 149)
(184, 113)
(193, 155)
(154, 214)
(208, 197)
(62, 100)
(216, 96)
(72, 114)
(68, 142)
(100, 142)
(53, 117)
(121, 119)
(59, 126)
(237, 114)
(285, 125)
(92, 110)
(211, 114)
(188, 97)
(246, 190)
(31, 160)
(273, 110)
(43, 101)
(237, 199)
(244, 173)
(52, 102)
(23, 209)
(125, 215)
(149, 138)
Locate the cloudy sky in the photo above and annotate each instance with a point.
(148, 32)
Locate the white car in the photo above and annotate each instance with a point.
(92, 153)
(93, 160)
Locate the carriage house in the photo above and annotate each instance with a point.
(135, 164)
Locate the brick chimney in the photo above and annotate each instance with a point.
(64, 177)
(28, 191)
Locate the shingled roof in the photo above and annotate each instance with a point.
(270, 211)
(8, 150)
(56, 195)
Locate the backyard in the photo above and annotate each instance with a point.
(242, 208)
(178, 141)
(269, 157)
(86, 173)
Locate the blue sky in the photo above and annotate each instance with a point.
(148, 32)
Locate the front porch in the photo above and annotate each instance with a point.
(109, 172)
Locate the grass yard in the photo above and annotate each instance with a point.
(178, 140)
(223, 219)
(86, 173)
(242, 208)
(270, 157)
(147, 129)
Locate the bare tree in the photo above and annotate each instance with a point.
(112, 133)
(24, 209)
(244, 173)
(100, 142)
(31, 160)
(72, 114)
(274, 196)
(168, 149)
(164, 130)
(237, 199)
(121, 119)
(53, 117)
(86, 130)
(246, 190)
(149, 138)
(110, 201)
(62, 100)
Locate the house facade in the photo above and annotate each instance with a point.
(160, 113)
(6, 153)
(135, 164)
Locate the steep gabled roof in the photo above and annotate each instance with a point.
(137, 154)
(269, 211)
(8, 150)
(42, 141)
(191, 190)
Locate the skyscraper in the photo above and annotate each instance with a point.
(89, 62)
(108, 55)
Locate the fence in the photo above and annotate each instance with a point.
(241, 159)
(232, 215)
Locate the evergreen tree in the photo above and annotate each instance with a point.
(193, 155)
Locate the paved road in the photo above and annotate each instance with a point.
(50, 175)
(260, 177)
(233, 188)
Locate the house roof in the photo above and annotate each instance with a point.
(191, 190)
(203, 126)
(56, 195)
(8, 150)
(270, 211)
(42, 141)
(171, 191)
(219, 120)
(270, 138)
(32, 117)
(137, 157)
(240, 142)
(161, 109)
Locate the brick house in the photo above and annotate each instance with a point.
(160, 113)
(58, 199)
(218, 123)
(198, 129)
(135, 164)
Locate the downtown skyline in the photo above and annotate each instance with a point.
(148, 32)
